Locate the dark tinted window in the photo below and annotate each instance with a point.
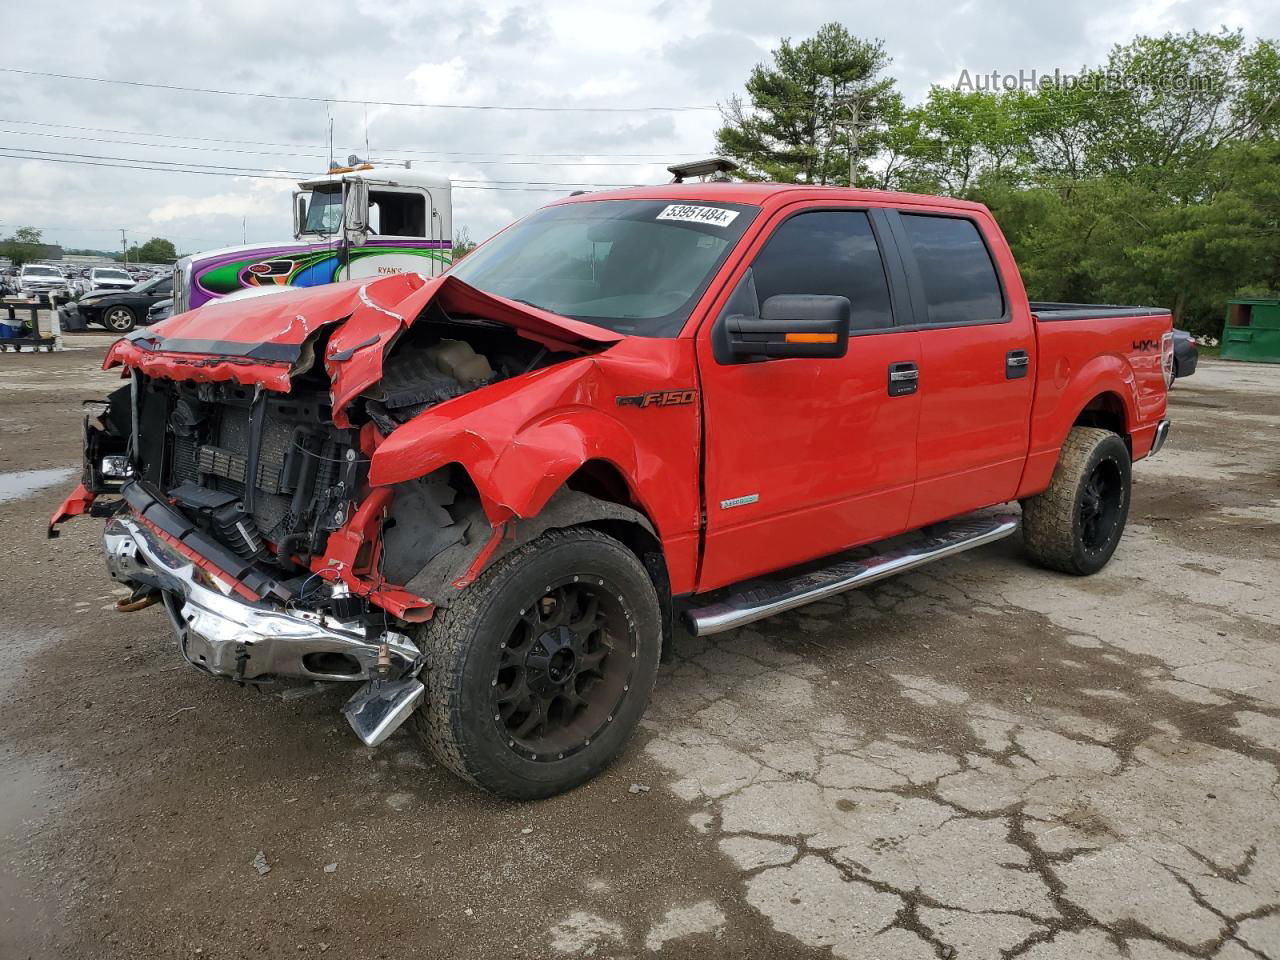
(394, 214)
(960, 282)
(830, 252)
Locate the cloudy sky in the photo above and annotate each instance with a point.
(643, 54)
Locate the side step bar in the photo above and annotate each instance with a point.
(763, 597)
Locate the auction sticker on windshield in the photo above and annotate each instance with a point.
(711, 216)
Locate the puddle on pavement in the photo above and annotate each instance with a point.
(23, 483)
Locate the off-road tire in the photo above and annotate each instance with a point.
(119, 319)
(1052, 526)
(463, 645)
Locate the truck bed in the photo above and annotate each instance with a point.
(1102, 343)
(1049, 311)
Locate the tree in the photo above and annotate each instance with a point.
(1186, 95)
(155, 250)
(462, 243)
(25, 245)
(815, 111)
(955, 138)
(1153, 177)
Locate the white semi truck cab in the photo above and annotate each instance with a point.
(355, 221)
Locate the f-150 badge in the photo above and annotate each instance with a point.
(659, 398)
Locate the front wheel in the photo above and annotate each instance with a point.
(539, 673)
(119, 319)
(1075, 525)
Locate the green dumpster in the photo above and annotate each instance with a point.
(1252, 331)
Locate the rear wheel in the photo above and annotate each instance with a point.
(539, 673)
(119, 319)
(1076, 524)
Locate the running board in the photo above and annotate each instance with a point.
(765, 596)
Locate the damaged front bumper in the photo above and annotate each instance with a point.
(225, 635)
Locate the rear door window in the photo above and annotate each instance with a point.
(960, 281)
(829, 252)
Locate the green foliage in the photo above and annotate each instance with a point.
(25, 244)
(1153, 179)
(954, 137)
(156, 250)
(803, 108)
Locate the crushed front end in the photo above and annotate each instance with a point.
(241, 511)
(234, 470)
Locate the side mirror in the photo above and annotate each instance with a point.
(299, 213)
(355, 210)
(791, 325)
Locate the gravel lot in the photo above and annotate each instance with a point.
(980, 760)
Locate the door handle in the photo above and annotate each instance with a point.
(904, 378)
(1016, 364)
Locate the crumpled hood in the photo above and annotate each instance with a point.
(264, 340)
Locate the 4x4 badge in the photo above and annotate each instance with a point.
(659, 398)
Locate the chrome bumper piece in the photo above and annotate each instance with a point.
(1162, 434)
(226, 636)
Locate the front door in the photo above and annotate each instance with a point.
(805, 457)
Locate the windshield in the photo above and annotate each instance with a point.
(40, 272)
(634, 266)
(324, 210)
(110, 275)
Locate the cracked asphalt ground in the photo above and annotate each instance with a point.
(982, 759)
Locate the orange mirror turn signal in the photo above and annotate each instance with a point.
(812, 337)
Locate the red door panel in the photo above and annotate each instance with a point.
(829, 455)
(973, 419)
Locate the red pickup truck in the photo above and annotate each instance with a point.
(487, 498)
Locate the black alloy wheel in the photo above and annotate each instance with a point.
(539, 671)
(1075, 525)
(564, 670)
(1100, 504)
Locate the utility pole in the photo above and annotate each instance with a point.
(853, 141)
(124, 247)
(855, 102)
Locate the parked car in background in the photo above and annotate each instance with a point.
(1185, 354)
(160, 310)
(40, 281)
(110, 278)
(117, 310)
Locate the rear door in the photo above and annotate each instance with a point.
(805, 457)
(977, 353)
